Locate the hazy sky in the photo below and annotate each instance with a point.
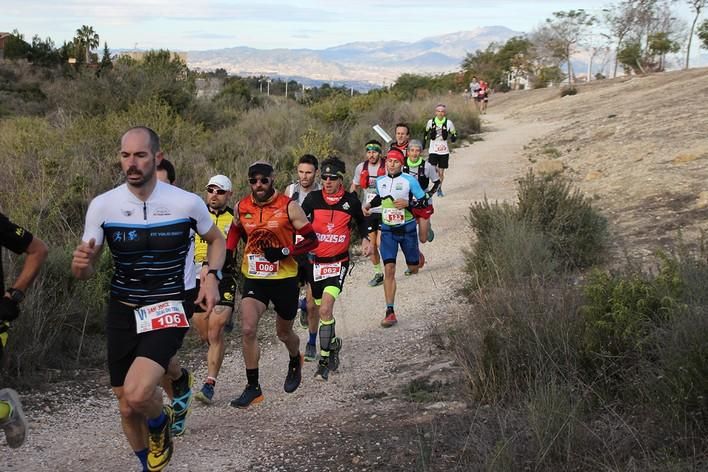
(212, 24)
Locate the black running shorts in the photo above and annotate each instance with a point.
(227, 293)
(125, 344)
(373, 222)
(440, 161)
(284, 293)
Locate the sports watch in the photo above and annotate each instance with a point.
(16, 295)
(217, 273)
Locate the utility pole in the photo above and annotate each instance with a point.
(286, 87)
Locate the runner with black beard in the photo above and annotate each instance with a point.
(268, 221)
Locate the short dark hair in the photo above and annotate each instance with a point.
(152, 136)
(308, 159)
(403, 125)
(374, 141)
(169, 168)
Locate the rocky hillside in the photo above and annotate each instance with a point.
(637, 145)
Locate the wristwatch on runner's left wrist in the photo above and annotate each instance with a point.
(217, 273)
(16, 295)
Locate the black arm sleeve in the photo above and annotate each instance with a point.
(376, 201)
(435, 187)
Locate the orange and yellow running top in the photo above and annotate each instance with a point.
(265, 226)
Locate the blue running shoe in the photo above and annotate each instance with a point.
(182, 401)
(206, 394)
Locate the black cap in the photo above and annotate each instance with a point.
(260, 167)
(333, 166)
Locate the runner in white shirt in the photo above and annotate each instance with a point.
(365, 175)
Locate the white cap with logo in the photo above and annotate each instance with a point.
(220, 181)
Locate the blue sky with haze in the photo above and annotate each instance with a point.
(212, 24)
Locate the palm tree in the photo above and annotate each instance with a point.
(88, 38)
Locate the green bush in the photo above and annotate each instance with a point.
(575, 231)
(516, 335)
(507, 250)
(566, 91)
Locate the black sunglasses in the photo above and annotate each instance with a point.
(217, 191)
(330, 177)
(254, 180)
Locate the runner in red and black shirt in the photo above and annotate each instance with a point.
(331, 212)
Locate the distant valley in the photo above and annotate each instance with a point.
(361, 65)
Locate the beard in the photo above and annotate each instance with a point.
(145, 177)
(262, 198)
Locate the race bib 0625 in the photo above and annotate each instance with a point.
(325, 271)
(394, 216)
(169, 314)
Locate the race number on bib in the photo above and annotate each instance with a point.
(394, 216)
(259, 266)
(325, 271)
(169, 314)
(439, 147)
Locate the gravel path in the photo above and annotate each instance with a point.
(75, 426)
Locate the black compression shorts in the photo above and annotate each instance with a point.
(227, 293)
(125, 344)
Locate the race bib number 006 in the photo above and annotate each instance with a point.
(259, 266)
(169, 314)
(394, 216)
(325, 271)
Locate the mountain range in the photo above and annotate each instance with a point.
(361, 65)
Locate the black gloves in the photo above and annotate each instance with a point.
(274, 254)
(453, 138)
(9, 311)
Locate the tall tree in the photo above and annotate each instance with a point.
(106, 61)
(703, 33)
(697, 6)
(88, 38)
(562, 34)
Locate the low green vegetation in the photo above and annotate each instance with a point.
(596, 369)
(59, 131)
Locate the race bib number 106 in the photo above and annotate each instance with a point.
(169, 314)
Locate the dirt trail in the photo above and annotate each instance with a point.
(361, 411)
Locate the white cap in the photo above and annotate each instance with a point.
(221, 181)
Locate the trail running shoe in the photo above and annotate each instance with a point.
(440, 192)
(334, 349)
(408, 272)
(310, 352)
(182, 401)
(322, 372)
(251, 395)
(206, 394)
(431, 235)
(160, 446)
(294, 377)
(14, 425)
(390, 319)
(377, 280)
